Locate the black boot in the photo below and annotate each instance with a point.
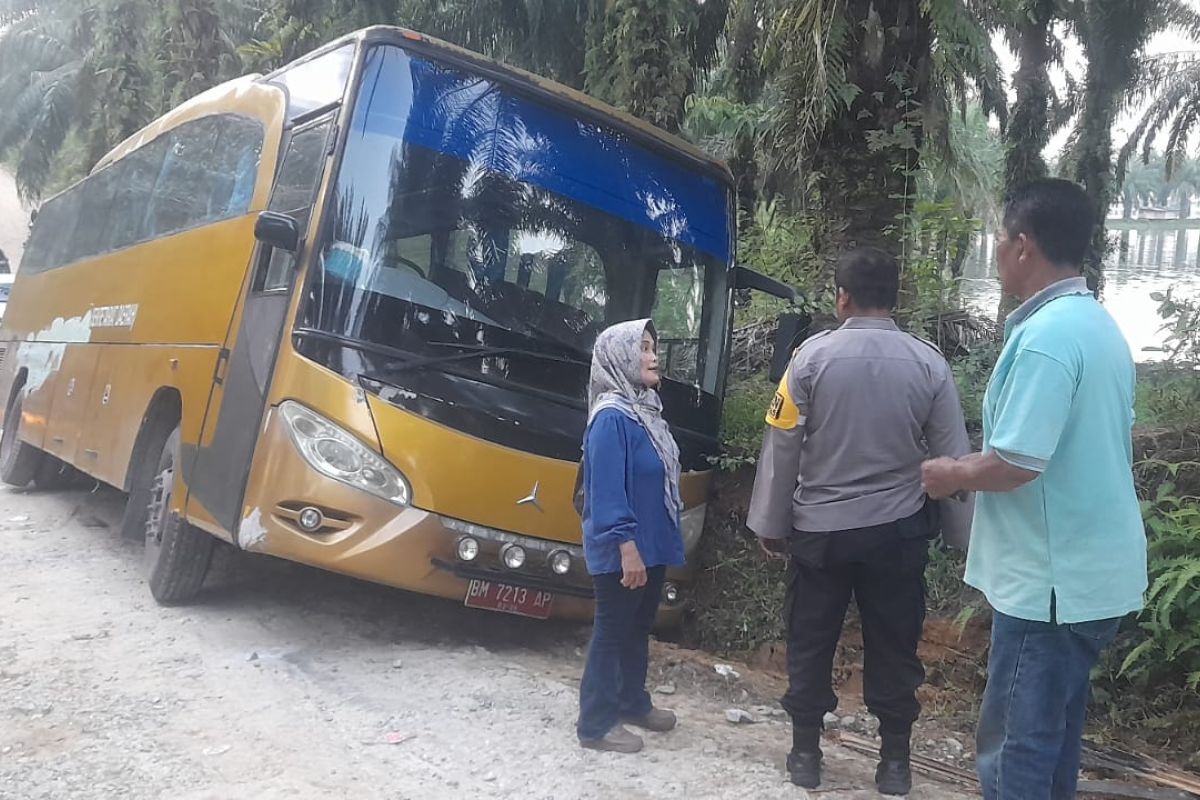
(804, 768)
(804, 762)
(893, 776)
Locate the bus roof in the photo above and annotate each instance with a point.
(207, 102)
(217, 97)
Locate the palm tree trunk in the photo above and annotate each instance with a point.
(962, 248)
(1028, 129)
(1113, 32)
(867, 184)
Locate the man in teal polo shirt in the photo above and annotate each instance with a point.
(1057, 543)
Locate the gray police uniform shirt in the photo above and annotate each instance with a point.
(860, 408)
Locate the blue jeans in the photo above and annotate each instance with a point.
(1031, 723)
(614, 679)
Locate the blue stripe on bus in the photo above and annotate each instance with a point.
(473, 119)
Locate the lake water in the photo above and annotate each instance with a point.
(1149, 259)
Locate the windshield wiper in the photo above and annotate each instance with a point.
(549, 338)
(408, 362)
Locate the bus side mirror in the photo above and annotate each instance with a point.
(278, 230)
(792, 331)
(746, 278)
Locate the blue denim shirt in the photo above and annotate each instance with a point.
(623, 497)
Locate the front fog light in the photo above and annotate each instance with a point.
(468, 548)
(338, 454)
(560, 562)
(310, 519)
(513, 556)
(671, 593)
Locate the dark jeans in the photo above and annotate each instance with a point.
(614, 679)
(883, 568)
(1031, 722)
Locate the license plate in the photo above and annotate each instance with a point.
(508, 599)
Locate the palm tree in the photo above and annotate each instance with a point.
(550, 37)
(1037, 112)
(966, 176)
(84, 74)
(1114, 34)
(643, 62)
(642, 56)
(1172, 84)
(1140, 185)
(286, 30)
(198, 47)
(862, 86)
(48, 61)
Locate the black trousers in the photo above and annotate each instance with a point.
(883, 568)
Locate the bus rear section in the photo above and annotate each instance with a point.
(126, 291)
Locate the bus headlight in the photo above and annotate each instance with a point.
(691, 525)
(338, 454)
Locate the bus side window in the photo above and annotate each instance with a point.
(178, 201)
(234, 166)
(61, 228)
(295, 188)
(94, 229)
(135, 178)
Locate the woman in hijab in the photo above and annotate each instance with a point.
(630, 484)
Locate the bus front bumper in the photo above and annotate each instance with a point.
(409, 548)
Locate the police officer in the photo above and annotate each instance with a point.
(838, 490)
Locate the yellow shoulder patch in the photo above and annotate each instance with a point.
(783, 413)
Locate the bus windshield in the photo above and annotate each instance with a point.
(468, 216)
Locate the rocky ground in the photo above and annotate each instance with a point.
(285, 682)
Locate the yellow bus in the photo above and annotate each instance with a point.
(342, 314)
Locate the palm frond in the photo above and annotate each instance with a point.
(48, 129)
(30, 45)
(1175, 83)
(1176, 15)
(963, 54)
(808, 50)
(21, 114)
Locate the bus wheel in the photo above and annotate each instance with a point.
(177, 554)
(19, 461)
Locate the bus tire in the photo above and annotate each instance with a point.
(156, 428)
(177, 554)
(19, 462)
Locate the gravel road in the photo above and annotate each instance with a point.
(285, 682)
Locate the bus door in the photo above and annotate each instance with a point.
(242, 380)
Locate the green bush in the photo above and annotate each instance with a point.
(1167, 396)
(742, 421)
(738, 602)
(971, 374)
(1170, 621)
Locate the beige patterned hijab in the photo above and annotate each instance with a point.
(616, 382)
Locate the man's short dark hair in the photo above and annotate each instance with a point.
(870, 276)
(1056, 214)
